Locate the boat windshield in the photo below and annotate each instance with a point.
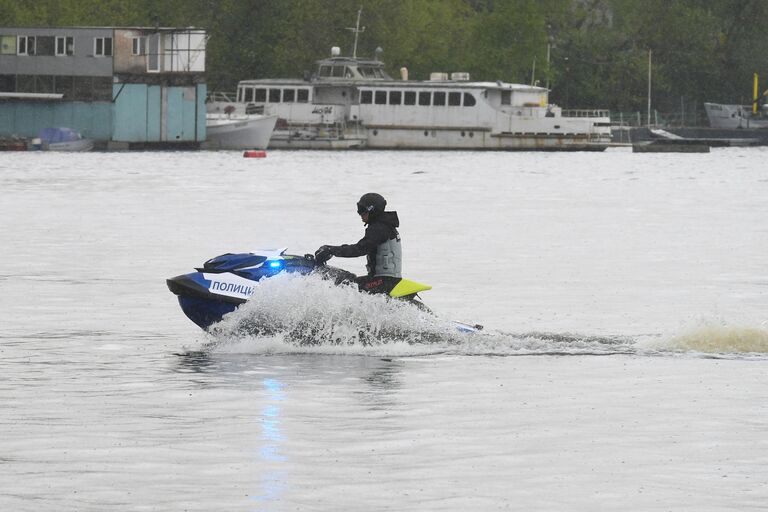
(371, 72)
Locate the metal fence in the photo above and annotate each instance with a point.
(659, 119)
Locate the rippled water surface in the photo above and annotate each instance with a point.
(622, 365)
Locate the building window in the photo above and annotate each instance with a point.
(395, 97)
(260, 95)
(8, 82)
(45, 45)
(139, 46)
(439, 99)
(102, 46)
(289, 95)
(153, 53)
(380, 98)
(102, 88)
(410, 98)
(469, 100)
(425, 98)
(65, 45)
(25, 45)
(44, 84)
(64, 85)
(454, 99)
(7, 45)
(303, 95)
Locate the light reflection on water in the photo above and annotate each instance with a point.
(273, 480)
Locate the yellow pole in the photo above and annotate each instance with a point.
(755, 96)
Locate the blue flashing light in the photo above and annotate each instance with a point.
(275, 264)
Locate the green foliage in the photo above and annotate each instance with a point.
(703, 50)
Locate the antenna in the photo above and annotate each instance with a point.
(357, 30)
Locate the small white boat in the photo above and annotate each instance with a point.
(62, 139)
(238, 131)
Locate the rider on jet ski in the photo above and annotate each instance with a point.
(381, 245)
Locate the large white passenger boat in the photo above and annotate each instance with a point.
(353, 103)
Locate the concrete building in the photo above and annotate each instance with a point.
(134, 86)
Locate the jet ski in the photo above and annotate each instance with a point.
(225, 282)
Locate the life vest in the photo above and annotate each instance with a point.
(389, 259)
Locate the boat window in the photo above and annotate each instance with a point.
(248, 95)
(469, 100)
(439, 99)
(395, 97)
(381, 97)
(506, 97)
(366, 97)
(338, 71)
(260, 95)
(378, 72)
(425, 98)
(410, 98)
(303, 95)
(454, 99)
(348, 73)
(367, 72)
(325, 70)
(274, 95)
(289, 95)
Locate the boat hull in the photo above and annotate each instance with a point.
(71, 146)
(205, 312)
(244, 132)
(438, 139)
(731, 117)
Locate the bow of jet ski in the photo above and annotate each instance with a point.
(225, 282)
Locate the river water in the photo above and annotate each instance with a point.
(623, 364)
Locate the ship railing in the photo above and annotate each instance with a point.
(586, 113)
(224, 97)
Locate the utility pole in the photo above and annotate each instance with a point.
(649, 86)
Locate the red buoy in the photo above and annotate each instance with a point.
(255, 153)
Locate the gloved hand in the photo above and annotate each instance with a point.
(323, 254)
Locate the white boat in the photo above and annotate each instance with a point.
(61, 139)
(735, 116)
(238, 131)
(353, 103)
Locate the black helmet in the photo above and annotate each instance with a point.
(371, 203)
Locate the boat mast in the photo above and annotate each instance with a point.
(357, 31)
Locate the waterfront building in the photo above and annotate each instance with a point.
(124, 87)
